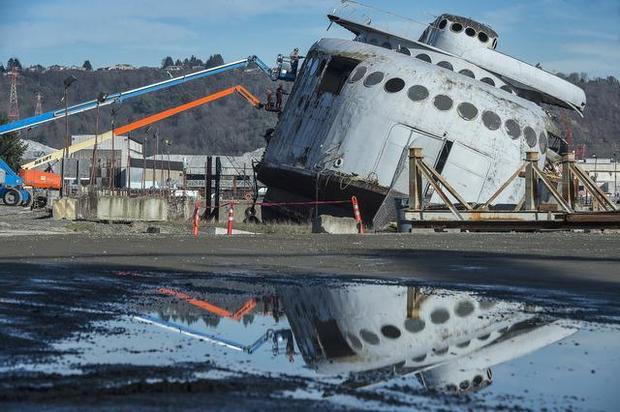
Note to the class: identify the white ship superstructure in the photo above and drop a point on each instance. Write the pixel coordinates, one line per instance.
(448, 340)
(358, 105)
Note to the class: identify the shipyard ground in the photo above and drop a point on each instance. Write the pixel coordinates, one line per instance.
(58, 280)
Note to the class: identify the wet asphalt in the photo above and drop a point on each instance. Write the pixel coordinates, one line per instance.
(59, 288)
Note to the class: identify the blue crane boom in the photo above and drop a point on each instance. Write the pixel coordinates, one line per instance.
(122, 96)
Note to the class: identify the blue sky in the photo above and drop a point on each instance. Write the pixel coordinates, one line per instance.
(563, 35)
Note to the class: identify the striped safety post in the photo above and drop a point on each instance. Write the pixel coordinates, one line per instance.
(231, 218)
(196, 219)
(357, 214)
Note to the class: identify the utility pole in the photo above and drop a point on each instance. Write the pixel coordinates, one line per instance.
(128, 168)
(93, 175)
(615, 176)
(65, 153)
(113, 171)
(13, 101)
(156, 153)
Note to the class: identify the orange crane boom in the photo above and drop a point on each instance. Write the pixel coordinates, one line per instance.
(58, 154)
(243, 92)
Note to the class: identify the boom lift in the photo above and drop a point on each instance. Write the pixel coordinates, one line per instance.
(278, 73)
(12, 190)
(122, 96)
(58, 154)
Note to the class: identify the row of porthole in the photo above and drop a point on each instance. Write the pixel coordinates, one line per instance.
(439, 316)
(392, 332)
(465, 72)
(466, 110)
(458, 27)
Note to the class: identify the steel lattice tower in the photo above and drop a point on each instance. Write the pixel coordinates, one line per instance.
(38, 107)
(13, 102)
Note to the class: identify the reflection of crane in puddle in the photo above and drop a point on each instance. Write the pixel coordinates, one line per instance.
(245, 309)
(280, 337)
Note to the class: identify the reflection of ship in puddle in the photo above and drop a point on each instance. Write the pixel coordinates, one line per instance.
(448, 339)
(371, 333)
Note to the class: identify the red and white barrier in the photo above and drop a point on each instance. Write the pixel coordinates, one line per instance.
(357, 214)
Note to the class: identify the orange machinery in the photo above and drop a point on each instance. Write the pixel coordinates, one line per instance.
(39, 179)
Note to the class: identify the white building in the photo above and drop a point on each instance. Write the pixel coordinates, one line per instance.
(605, 173)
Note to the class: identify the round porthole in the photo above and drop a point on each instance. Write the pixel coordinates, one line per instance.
(420, 358)
(443, 24)
(373, 79)
(464, 308)
(439, 316)
(456, 27)
(445, 65)
(354, 341)
(359, 74)
(441, 351)
(414, 325)
(369, 337)
(339, 162)
(467, 111)
(404, 50)
(390, 331)
(507, 89)
(470, 32)
(484, 337)
(483, 37)
(491, 120)
(530, 136)
(543, 142)
(468, 73)
(513, 129)
(424, 57)
(417, 93)
(443, 102)
(394, 85)
(488, 81)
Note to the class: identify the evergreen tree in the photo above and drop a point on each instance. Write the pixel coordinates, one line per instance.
(87, 66)
(13, 64)
(178, 63)
(2, 69)
(166, 62)
(12, 147)
(214, 60)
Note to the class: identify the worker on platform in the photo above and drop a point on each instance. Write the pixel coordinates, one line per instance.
(269, 105)
(294, 61)
(279, 93)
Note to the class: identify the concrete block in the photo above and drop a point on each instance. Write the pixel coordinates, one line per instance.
(65, 209)
(334, 225)
(126, 209)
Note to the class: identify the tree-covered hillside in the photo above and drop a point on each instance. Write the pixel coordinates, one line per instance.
(227, 126)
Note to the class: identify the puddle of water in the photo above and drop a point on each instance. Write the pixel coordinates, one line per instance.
(422, 346)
